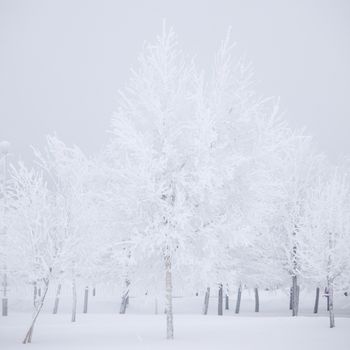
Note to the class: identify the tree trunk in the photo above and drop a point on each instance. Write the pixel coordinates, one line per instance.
(295, 296)
(35, 294)
(169, 298)
(326, 293)
(227, 302)
(330, 300)
(74, 304)
(257, 304)
(4, 299)
(94, 291)
(220, 301)
(57, 299)
(317, 298)
(125, 298)
(238, 302)
(86, 299)
(298, 298)
(28, 337)
(206, 301)
(291, 298)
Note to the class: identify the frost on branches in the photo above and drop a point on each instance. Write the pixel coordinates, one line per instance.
(201, 187)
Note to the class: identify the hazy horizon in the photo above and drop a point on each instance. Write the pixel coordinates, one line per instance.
(62, 62)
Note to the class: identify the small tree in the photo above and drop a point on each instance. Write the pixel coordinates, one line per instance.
(70, 174)
(34, 232)
(298, 171)
(325, 233)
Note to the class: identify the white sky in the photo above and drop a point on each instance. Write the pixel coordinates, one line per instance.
(62, 62)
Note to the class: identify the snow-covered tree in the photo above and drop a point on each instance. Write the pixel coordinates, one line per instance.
(70, 174)
(152, 146)
(298, 171)
(35, 234)
(325, 233)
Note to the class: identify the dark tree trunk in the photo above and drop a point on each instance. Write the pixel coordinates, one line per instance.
(291, 298)
(220, 301)
(206, 301)
(330, 304)
(227, 302)
(4, 307)
(317, 299)
(57, 299)
(4, 298)
(35, 294)
(125, 298)
(298, 298)
(86, 299)
(295, 295)
(327, 297)
(238, 302)
(257, 304)
(94, 291)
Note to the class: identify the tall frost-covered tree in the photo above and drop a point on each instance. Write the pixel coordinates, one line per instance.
(244, 144)
(325, 233)
(35, 234)
(68, 171)
(298, 171)
(153, 147)
(194, 163)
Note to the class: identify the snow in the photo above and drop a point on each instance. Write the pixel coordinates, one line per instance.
(103, 328)
(201, 183)
(130, 331)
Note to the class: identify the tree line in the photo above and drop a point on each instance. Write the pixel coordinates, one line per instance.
(201, 183)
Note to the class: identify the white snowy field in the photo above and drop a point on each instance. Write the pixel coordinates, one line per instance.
(106, 331)
(103, 328)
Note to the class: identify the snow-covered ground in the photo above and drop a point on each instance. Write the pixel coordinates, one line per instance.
(104, 328)
(103, 331)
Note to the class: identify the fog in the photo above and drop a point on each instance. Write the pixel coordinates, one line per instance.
(63, 62)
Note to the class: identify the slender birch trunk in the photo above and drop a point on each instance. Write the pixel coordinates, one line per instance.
(86, 299)
(238, 302)
(330, 282)
(326, 294)
(29, 334)
(298, 298)
(330, 303)
(4, 299)
(220, 300)
(317, 299)
(169, 299)
(295, 289)
(257, 303)
(74, 301)
(206, 301)
(57, 299)
(125, 298)
(35, 294)
(227, 302)
(295, 296)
